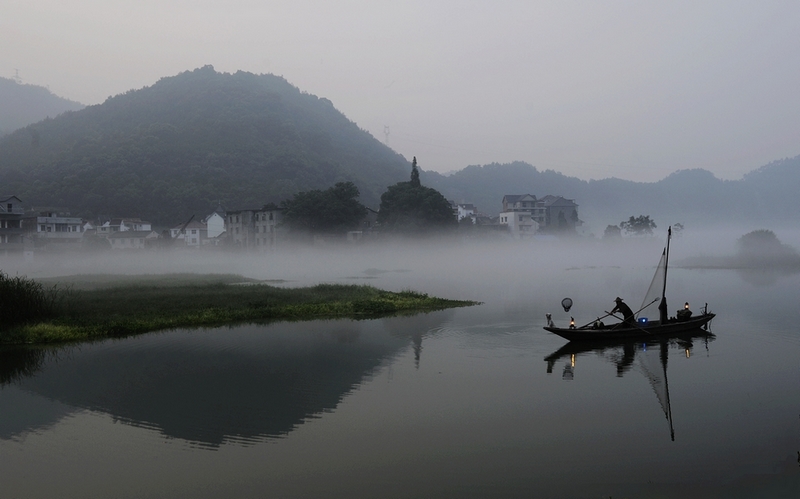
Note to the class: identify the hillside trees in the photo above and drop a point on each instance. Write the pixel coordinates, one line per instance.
(412, 208)
(190, 142)
(333, 210)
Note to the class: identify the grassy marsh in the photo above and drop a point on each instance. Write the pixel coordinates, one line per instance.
(95, 306)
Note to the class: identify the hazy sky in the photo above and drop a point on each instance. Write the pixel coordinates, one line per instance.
(593, 89)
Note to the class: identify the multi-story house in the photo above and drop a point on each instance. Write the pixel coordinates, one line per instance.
(519, 223)
(54, 227)
(240, 228)
(193, 234)
(254, 229)
(267, 220)
(558, 213)
(551, 213)
(520, 215)
(11, 231)
(519, 202)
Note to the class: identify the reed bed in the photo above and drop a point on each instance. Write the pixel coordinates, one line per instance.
(23, 300)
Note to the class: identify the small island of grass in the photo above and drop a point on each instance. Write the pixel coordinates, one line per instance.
(92, 307)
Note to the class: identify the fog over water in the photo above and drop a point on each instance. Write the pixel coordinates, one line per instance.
(456, 402)
(452, 268)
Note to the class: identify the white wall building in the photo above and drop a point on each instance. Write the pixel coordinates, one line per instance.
(193, 234)
(467, 210)
(519, 223)
(215, 225)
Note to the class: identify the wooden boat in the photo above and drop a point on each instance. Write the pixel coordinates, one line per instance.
(642, 328)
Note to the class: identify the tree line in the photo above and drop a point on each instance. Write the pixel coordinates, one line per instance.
(406, 207)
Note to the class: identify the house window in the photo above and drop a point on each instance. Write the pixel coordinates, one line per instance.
(270, 216)
(10, 207)
(520, 218)
(41, 228)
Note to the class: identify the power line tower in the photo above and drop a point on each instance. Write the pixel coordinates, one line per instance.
(16, 77)
(386, 133)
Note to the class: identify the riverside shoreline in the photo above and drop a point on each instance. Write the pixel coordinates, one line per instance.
(92, 307)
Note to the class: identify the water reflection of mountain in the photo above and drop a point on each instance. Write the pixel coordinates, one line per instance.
(209, 387)
(649, 356)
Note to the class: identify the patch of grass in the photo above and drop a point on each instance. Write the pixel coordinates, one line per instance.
(93, 307)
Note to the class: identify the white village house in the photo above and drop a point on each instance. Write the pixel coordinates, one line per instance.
(192, 234)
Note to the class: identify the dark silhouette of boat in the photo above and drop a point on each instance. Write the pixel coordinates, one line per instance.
(640, 327)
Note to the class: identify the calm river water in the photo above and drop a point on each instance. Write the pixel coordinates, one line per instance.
(457, 403)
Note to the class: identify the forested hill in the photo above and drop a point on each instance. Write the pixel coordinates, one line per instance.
(696, 198)
(191, 141)
(21, 105)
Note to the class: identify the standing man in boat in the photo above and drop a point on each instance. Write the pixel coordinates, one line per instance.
(625, 310)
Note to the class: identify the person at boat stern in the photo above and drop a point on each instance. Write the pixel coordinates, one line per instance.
(625, 310)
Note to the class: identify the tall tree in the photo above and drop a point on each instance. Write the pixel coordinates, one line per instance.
(638, 226)
(411, 207)
(415, 174)
(334, 210)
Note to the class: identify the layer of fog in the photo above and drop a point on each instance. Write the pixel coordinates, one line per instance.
(475, 270)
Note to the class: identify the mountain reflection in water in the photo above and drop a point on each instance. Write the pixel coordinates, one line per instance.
(208, 387)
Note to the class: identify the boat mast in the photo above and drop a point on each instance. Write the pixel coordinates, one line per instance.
(662, 307)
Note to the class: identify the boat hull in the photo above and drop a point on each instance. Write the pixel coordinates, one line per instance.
(649, 330)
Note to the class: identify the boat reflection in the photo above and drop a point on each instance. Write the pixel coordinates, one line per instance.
(650, 357)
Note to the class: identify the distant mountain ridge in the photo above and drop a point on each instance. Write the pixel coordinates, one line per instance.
(692, 197)
(23, 104)
(191, 141)
(201, 138)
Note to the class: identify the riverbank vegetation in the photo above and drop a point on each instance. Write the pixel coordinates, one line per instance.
(87, 307)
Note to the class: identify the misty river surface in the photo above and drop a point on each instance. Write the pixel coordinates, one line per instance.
(455, 403)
